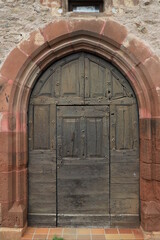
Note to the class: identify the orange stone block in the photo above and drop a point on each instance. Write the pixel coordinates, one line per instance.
(55, 31)
(15, 62)
(34, 44)
(114, 32)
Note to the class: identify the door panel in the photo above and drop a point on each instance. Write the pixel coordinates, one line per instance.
(71, 81)
(94, 137)
(71, 127)
(79, 175)
(97, 80)
(41, 139)
(124, 168)
(42, 165)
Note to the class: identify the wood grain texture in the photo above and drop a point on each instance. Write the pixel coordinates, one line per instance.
(83, 161)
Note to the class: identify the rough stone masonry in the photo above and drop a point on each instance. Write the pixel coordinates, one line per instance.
(18, 18)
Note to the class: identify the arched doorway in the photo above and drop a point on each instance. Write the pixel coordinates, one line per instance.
(58, 39)
(83, 146)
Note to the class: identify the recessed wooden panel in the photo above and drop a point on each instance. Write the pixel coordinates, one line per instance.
(97, 73)
(124, 132)
(97, 78)
(117, 88)
(47, 86)
(69, 78)
(71, 136)
(94, 137)
(41, 134)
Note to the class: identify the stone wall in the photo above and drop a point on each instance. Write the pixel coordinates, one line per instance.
(18, 18)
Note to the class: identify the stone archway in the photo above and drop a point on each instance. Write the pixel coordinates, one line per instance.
(83, 142)
(19, 73)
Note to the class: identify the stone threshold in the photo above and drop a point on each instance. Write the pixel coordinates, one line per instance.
(82, 234)
(31, 233)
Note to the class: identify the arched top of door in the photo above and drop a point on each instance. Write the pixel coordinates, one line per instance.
(82, 78)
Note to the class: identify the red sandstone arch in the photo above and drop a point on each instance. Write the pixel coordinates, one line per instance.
(20, 71)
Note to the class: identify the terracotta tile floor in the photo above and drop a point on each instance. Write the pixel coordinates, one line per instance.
(83, 234)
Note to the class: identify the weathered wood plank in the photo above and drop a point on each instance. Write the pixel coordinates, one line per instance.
(124, 191)
(123, 156)
(122, 206)
(42, 220)
(81, 220)
(125, 221)
(87, 171)
(129, 170)
(41, 127)
(83, 203)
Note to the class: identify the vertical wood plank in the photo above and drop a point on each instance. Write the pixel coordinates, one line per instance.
(53, 128)
(30, 126)
(41, 127)
(87, 77)
(81, 77)
(57, 83)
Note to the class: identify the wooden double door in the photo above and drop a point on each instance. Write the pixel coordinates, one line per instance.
(83, 165)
